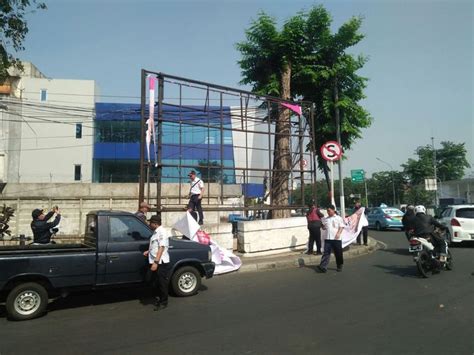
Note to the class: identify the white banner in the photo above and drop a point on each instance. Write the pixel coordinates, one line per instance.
(224, 259)
(353, 227)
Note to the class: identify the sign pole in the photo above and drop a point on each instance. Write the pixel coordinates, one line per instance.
(366, 194)
(333, 201)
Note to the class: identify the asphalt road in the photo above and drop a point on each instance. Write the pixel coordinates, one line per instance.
(378, 305)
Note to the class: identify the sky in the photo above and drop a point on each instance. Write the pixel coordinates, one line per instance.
(420, 67)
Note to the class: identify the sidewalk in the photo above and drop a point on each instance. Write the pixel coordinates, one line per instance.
(297, 258)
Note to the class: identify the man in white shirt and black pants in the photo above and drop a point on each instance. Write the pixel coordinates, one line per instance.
(159, 260)
(334, 225)
(195, 196)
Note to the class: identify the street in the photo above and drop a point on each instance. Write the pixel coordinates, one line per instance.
(377, 305)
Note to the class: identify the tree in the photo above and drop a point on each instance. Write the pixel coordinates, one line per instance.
(14, 29)
(268, 57)
(329, 79)
(450, 163)
(304, 60)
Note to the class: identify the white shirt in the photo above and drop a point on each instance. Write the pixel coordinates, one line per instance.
(332, 225)
(196, 186)
(157, 240)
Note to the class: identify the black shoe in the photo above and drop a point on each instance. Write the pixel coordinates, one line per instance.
(200, 223)
(160, 306)
(319, 253)
(339, 268)
(366, 244)
(309, 253)
(321, 269)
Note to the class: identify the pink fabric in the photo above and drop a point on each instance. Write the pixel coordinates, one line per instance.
(294, 108)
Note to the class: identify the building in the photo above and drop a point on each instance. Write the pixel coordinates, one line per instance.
(46, 128)
(117, 143)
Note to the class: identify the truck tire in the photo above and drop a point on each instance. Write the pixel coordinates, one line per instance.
(186, 281)
(26, 301)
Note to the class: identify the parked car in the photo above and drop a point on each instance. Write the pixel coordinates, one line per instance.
(385, 217)
(460, 222)
(110, 255)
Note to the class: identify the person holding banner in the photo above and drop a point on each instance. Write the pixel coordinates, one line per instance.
(365, 226)
(333, 224)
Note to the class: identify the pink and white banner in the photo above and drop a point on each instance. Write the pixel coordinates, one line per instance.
(224, 259)
(150, 131)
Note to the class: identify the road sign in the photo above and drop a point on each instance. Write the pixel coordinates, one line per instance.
(358, 175)
(331, 151)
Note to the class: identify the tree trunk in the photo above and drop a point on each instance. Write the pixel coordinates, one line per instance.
(281, 155)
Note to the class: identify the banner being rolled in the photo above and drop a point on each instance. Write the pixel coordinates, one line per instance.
(224, 259)
(353, 227)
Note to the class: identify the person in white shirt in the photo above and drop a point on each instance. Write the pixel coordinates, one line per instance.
(195, 196)
(334, 225)
(159, 260)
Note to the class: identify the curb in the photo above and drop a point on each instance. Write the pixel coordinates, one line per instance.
(301, 260)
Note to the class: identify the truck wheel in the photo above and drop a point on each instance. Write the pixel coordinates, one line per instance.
(26, 301)
(186, 281)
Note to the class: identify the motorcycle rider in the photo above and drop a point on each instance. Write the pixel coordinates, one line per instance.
(408, 221)
(424, 227)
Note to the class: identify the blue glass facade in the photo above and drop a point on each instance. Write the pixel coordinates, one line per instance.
(117, 143)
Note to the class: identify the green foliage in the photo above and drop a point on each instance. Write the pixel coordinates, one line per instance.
(14, 29)
(450, 163)
(319, 61)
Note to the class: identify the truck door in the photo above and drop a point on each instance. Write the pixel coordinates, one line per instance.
(128, 239)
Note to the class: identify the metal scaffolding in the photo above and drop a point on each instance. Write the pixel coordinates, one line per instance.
(229, 123)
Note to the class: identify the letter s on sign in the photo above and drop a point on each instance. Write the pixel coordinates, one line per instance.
(331, 149)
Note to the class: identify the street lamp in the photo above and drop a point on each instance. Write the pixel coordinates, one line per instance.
(393, 180)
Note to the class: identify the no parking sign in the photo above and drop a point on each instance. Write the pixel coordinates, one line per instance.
(331, 151)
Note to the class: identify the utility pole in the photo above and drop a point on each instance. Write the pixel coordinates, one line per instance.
(338, 136)
(393, 180)
(435, 172)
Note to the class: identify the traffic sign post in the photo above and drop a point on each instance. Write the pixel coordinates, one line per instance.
(331, 151)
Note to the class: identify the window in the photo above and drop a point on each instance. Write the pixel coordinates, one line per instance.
(446, 213)
(78, 130)
(128, 229)
(43, 94)
(77, 172)
(465, 213)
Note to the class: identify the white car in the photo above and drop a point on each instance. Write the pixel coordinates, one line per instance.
(460, 222)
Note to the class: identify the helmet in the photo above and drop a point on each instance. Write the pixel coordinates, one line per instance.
(410, 207)
(420, 209)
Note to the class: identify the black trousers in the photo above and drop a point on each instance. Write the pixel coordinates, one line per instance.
(195, 205)
(160, 279)
(314, 236)
(329, 246)
(365, 233)
(439, 243)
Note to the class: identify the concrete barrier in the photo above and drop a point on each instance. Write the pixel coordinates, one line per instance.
(263, 237)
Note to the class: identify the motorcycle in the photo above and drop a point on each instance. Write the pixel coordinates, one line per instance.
(427, 259)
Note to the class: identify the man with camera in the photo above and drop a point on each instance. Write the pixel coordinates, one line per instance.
(42, 229)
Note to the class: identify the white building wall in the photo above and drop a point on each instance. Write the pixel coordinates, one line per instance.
(49, 147)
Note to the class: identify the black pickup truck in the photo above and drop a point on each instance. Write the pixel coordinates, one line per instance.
(110, 255)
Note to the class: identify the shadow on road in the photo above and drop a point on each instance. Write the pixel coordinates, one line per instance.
(402, 271)
(397, 251)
